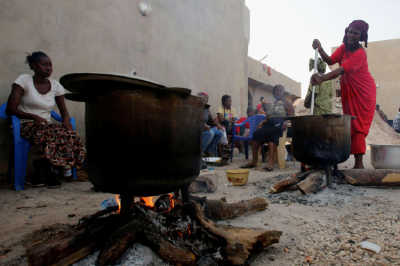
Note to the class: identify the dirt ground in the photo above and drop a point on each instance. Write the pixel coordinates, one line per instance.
(326, 226)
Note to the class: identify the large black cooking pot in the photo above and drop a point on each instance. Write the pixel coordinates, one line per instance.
(142, 138)
(321, 140)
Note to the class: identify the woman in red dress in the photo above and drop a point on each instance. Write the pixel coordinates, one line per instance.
(358, 88)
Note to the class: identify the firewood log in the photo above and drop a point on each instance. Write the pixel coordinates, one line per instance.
(375, 177)
(169, 251)
(73, 245)
(121, 240)
(237, 242)
(218, 210)
(292, 180)
(312, 183)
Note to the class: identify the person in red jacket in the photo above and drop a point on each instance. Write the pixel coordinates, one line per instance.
(245, 130)
(358, 88)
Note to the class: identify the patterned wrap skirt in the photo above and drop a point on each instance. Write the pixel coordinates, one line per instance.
(62, 146)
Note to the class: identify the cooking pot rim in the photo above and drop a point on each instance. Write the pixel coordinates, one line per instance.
(68, 81)
(304, 116)
(68, 78)
(386, 145)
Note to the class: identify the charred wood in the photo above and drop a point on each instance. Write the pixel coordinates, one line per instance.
(314, 182)
(292, 180)
(218, 210)
(237, 242)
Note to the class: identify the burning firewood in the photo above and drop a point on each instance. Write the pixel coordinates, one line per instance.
(121, 240)
(314, 182)
(164, 203)
(171, 251)
(179, 236)
(283, 184)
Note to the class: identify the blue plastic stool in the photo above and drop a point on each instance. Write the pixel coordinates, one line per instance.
(19, 151)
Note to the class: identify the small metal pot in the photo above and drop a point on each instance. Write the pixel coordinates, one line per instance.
(384, 156)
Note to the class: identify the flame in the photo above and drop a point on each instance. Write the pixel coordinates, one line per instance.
(188, 228)
(148, 202)
(305, 167)
(119, 203)
(179, 233)
(172, 204)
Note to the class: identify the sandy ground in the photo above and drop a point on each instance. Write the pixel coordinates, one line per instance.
(325, 226)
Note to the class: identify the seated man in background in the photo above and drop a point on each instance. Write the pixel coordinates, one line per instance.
(211, 136)
(381, 113)
(396, 122)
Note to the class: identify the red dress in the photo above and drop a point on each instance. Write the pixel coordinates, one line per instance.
(358, 91)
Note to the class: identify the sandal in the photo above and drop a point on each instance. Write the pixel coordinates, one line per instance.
(269, 168)
(226, 158)
(246, 166)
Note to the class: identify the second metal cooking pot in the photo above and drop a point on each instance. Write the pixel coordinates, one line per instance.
(321, 139)
(385, 156)
(142, 139)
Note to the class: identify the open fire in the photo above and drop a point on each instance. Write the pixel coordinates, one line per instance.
(119, 203)
(181, 234)
(164, 203)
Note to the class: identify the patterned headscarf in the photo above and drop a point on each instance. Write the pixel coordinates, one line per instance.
(320, 64)
(202, 94)
(360, 25)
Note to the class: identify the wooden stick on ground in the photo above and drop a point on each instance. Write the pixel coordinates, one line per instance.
(237, 242)
(312, 183)
(171, 252)
(218, 210)
(122, 240)
(292, 180)
(73, 245)
(375, 177)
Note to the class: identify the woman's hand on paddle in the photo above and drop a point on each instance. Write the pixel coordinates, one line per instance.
(206, 128)
(67, 124)
(39, 120)
(284, 125)
(218, 125)
(316, 79)
(316, 44)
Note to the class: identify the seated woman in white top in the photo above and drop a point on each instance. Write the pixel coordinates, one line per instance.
(32, 99)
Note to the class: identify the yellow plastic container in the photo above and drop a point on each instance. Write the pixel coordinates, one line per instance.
(238, 177)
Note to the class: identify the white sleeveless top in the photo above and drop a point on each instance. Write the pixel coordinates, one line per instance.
(33, 102)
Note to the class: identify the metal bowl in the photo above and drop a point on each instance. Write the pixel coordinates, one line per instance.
(385, 156)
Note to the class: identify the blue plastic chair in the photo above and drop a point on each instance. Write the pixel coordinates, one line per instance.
(19, 151)
(254, 121)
